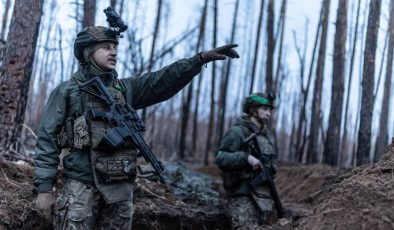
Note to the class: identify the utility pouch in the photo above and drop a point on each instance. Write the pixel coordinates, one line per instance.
(65, 138)
(81, 135)
(115, 168)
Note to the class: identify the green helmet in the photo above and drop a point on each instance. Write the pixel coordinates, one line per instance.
(91, 35)
(256, 100)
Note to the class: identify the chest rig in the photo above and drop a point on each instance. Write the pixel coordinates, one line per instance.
(114, 170)
(234, 179)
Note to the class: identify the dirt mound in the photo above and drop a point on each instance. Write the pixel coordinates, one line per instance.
(16, 198)
(188, 201)
(362, 199)
(314, 196)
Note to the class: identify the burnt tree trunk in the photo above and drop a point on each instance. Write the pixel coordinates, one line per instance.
(332, 142)
(153, 46)
(282, 19)
(224, 81)
(367, 100)
(382, 137)
(313, 145)
(302, 122)
(201, 38)
(211, 122)
(256, 49)
(350, 79)
(269, 82)
(5, 19)
(89, 12)
(186, 104)
(17, 68)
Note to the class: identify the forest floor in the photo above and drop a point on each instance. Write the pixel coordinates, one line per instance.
(313, 196)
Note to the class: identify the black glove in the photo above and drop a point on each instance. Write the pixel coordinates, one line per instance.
(219, 53)
(272, 170)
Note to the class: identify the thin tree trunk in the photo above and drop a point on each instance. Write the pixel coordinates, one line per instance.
(382, 137)
(17, 68)
(112, 4)
(195, 120)
(332, 142)
(354, 135)
(282, 30)
(89, 12)
(5, 20)
(211, 123)
(302, 124)
(187, 103)
(301, 57)
(269, 81)
(152, 50)
(350, 79)
(313, 145)
(257, 44)
(364, 132)
(224, 83)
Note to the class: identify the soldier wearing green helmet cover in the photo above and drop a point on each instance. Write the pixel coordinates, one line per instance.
(239, 163)
(99, 183)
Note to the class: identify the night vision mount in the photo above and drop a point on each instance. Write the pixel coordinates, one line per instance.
(115, 22)
(271, 96)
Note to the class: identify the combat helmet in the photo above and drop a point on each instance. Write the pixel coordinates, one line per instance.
(95, 34)
(258, 99)
(89, 36)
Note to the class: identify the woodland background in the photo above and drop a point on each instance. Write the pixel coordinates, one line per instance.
(332, 76)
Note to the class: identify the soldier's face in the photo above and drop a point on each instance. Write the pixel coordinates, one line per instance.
(262, 114)
(105, 56)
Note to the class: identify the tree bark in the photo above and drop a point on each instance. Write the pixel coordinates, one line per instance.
(152, 50)
(382, 137)
(5, 19)
(367, 100)
(17, 68)
(269, 81)
(350, 79)
(313, 145)
(201, 38)
(282, 35)
(186, 104)
(224, 82)
(257, 44)
(89, 13)
(211, 123)
(302, 123)
(332, 142)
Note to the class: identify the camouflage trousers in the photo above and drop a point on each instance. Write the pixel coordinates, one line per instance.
(251, 211)
(80, 206)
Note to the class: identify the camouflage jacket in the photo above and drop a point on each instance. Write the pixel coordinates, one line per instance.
(232, 155)
(64, 101)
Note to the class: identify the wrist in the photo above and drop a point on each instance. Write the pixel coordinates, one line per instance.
(201, 58)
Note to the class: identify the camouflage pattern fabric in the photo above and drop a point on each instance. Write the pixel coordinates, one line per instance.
(243, 212)
(78, 204)
(248, 209)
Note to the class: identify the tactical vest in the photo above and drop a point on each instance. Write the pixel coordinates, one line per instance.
(233, 180)
(113, 171)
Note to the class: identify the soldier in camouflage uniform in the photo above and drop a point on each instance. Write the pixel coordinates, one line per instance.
(98, 190)
(239, 163)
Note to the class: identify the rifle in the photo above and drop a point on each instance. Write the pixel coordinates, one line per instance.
(263, 176)
(126, 125)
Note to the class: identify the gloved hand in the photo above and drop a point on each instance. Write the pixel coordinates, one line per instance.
(219, 53)
(44, 203)
(254, 162)
(273, 171)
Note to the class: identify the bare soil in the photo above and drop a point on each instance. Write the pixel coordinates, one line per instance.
(313, 196)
